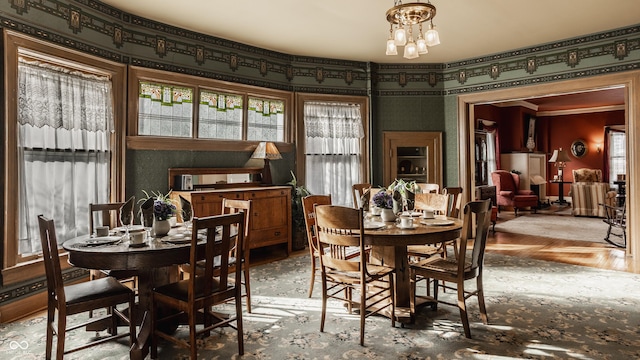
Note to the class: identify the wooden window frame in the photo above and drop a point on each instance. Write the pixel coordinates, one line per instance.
(147, 142)
(365, 146)
(14, 267)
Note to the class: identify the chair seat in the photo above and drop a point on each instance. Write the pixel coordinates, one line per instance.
(441, 266)
(424, 250)
(94, 290)
(375, 272)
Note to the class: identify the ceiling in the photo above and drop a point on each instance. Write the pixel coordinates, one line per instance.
(358, 30)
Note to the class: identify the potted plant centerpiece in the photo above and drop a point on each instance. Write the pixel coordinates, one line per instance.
(163, 210)
(384, 200)
(299, 233)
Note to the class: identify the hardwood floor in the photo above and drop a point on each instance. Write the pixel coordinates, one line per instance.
(602, 256)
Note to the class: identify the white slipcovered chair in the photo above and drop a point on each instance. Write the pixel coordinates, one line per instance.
(588, 192)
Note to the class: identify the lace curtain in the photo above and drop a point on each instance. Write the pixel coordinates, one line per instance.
(333, 160)
(65, 120)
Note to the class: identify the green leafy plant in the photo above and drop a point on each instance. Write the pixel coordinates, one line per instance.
(163, 206)
(297, 193)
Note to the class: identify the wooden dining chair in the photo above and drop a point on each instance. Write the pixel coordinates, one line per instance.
(429, 187)
(83, 297)
(455, 200)
(456, 270)
(230, 206)
(339, 228)
(217, 284)
(358, 190)
(106, 214)
(439, 204)
(308, 203)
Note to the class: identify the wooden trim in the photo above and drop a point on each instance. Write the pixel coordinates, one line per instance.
(13, 42)
(630, 80)
(206, 171)
(29, 270)
(187, 144)
(137, 74)
(298, 132)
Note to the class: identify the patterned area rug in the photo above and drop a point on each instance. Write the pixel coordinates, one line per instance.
(537, 310)
(557, 227)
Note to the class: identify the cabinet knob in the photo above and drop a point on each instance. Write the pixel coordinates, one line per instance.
(277, 233)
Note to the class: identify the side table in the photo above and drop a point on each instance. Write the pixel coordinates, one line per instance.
(561, 200)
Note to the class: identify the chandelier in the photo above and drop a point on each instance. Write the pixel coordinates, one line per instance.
(402, 18)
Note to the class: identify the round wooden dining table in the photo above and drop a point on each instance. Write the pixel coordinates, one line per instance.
(154, 263)
(389, 247)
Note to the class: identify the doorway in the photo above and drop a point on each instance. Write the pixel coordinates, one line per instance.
(631, 83)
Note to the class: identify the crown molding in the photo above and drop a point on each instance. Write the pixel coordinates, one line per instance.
(581, 111)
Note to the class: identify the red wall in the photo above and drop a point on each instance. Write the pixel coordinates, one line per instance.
(553, 132)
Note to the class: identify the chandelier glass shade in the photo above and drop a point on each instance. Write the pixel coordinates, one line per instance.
(402, 19)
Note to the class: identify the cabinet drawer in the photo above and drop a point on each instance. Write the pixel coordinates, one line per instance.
(259, 194)
(260, 238)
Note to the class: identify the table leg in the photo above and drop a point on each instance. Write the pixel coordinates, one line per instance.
(147, 280)
(396, 256)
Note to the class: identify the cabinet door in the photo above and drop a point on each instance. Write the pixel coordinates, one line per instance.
(413, 156)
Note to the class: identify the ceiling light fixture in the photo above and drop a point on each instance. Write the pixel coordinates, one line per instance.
(402, 18)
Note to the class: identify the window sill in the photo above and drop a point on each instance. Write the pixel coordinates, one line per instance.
(29, 270)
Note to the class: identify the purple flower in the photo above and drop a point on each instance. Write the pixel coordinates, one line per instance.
(383, 200)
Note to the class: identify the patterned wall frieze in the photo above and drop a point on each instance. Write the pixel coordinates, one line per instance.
(99, 29)
(542, 63)
(545, 79)
(16, 292)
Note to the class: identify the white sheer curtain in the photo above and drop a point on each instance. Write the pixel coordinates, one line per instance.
(333, 159)
(65, 119)
(491, 155)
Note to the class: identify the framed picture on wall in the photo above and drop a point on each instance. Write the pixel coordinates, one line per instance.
(579, 148)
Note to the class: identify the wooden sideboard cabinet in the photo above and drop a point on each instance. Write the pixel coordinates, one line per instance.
(270, 214)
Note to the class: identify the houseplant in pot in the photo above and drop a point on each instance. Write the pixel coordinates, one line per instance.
(163, 210)
(298, 234)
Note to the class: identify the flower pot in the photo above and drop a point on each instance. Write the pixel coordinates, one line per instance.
(161, 227)
(387, 215)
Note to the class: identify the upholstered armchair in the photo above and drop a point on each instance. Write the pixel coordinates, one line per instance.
(508, 192)
(588, 192)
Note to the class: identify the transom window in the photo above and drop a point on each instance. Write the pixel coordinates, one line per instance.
(224, 111)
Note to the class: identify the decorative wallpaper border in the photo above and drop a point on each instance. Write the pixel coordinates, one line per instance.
(96, 28)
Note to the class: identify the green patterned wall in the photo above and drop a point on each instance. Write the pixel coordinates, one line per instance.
(418, 97)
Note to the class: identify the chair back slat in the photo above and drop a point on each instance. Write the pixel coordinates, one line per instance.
(338, 228)
(106, 214)
(358, 190)
(49, 241)
(455, 200)
(308, 203)
(476, 222)
(228, 227)
(439, 203)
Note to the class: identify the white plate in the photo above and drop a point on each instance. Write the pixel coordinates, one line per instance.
(440, 222)
(371, 225)
(103, 240)
(132, 228)
(177, 239)
(407, 227)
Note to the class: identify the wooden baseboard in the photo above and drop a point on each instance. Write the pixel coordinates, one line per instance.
(24, 307)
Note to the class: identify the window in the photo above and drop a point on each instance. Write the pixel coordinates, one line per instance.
(220, 116)
(164, 110)
(65, 119)
(61, 137)
(224, 111)
(333, 137)
(617, 154)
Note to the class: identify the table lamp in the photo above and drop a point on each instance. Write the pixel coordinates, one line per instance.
(266, 151)
(560, 158)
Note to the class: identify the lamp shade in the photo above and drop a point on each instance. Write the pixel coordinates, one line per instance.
(266, 150)
(558, 156)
